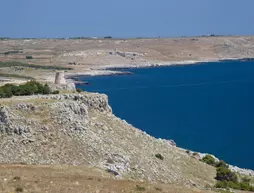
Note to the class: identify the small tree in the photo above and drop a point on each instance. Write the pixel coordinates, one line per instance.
(29, 57)
(46, 89)
(221, 163)
(159, 156)
(225, 174)
(78, 90)
(209, 160)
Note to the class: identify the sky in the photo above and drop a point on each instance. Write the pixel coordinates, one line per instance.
(125, 19)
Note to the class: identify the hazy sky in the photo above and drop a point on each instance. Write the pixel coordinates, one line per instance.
(122, 18)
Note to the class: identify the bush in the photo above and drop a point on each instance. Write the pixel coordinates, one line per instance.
(228, 179)
(159, 156)
(225, 174)
(30, 88)
(195, 154)
(56, 92)
(209, 160)
(221, 164)
(29, 57)
(12, 63)
(221, 184)
(46, 89)
(234, 185)
(78, 90)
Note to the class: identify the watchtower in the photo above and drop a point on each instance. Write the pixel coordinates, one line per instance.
(59, 79)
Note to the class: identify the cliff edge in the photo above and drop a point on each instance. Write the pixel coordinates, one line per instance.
(80, 129)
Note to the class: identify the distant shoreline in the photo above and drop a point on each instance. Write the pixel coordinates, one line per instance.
(243, 171)
(116, 70)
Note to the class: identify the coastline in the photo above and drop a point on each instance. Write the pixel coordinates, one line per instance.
(115, 70)
(112, 70)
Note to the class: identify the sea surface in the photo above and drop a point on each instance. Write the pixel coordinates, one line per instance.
(207, 107)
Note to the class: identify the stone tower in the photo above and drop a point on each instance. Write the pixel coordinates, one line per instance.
(59, 79)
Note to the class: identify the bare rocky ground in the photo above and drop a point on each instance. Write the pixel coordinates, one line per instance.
(80, 129)
(44, 134)
(70, 179)
(87, 56)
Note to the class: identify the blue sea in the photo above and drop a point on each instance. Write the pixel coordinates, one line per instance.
(207, 107)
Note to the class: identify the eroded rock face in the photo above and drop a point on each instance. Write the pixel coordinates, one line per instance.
(117, 164)
(69, 113)
(8, 124)
(81, 129)
(3, 115)
(4, 120)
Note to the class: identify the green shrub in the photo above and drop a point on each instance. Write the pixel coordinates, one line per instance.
(221, 184)
(221, 164)
(30, 88)
(56, 92)
(29, 57)
(234, 185)
(209, 160)
(225, 174)
(195, 154)
(16, 76)
(159, 156)
(228, 179)
(78, 90)
(46, 89)
(14, 63)
(245, 179)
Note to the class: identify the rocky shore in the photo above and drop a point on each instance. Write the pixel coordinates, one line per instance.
(78, 129)
(116, 69)
(81, 129)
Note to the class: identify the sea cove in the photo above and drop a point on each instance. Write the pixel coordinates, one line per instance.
(207, 107)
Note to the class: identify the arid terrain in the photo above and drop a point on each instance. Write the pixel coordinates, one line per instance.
(87, 56)
(72, 142)
(79, 179)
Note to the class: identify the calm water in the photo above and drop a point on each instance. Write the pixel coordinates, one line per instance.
(206, 108)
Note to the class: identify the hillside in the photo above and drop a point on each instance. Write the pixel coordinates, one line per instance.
(89, 55)
(80, 129)
(79, 179)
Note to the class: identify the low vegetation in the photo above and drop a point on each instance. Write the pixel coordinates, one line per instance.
(140, 188)
(30, 88)
(13, 52)
(19, 189)
(16, 76)
(225, 177)
(29, 57)
(209, 160)
(12, 64)
(78, 90)
(159, 156)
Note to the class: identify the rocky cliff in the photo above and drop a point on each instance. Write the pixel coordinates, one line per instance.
(80, 129)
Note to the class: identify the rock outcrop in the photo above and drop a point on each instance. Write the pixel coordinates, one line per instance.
(81, 129)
